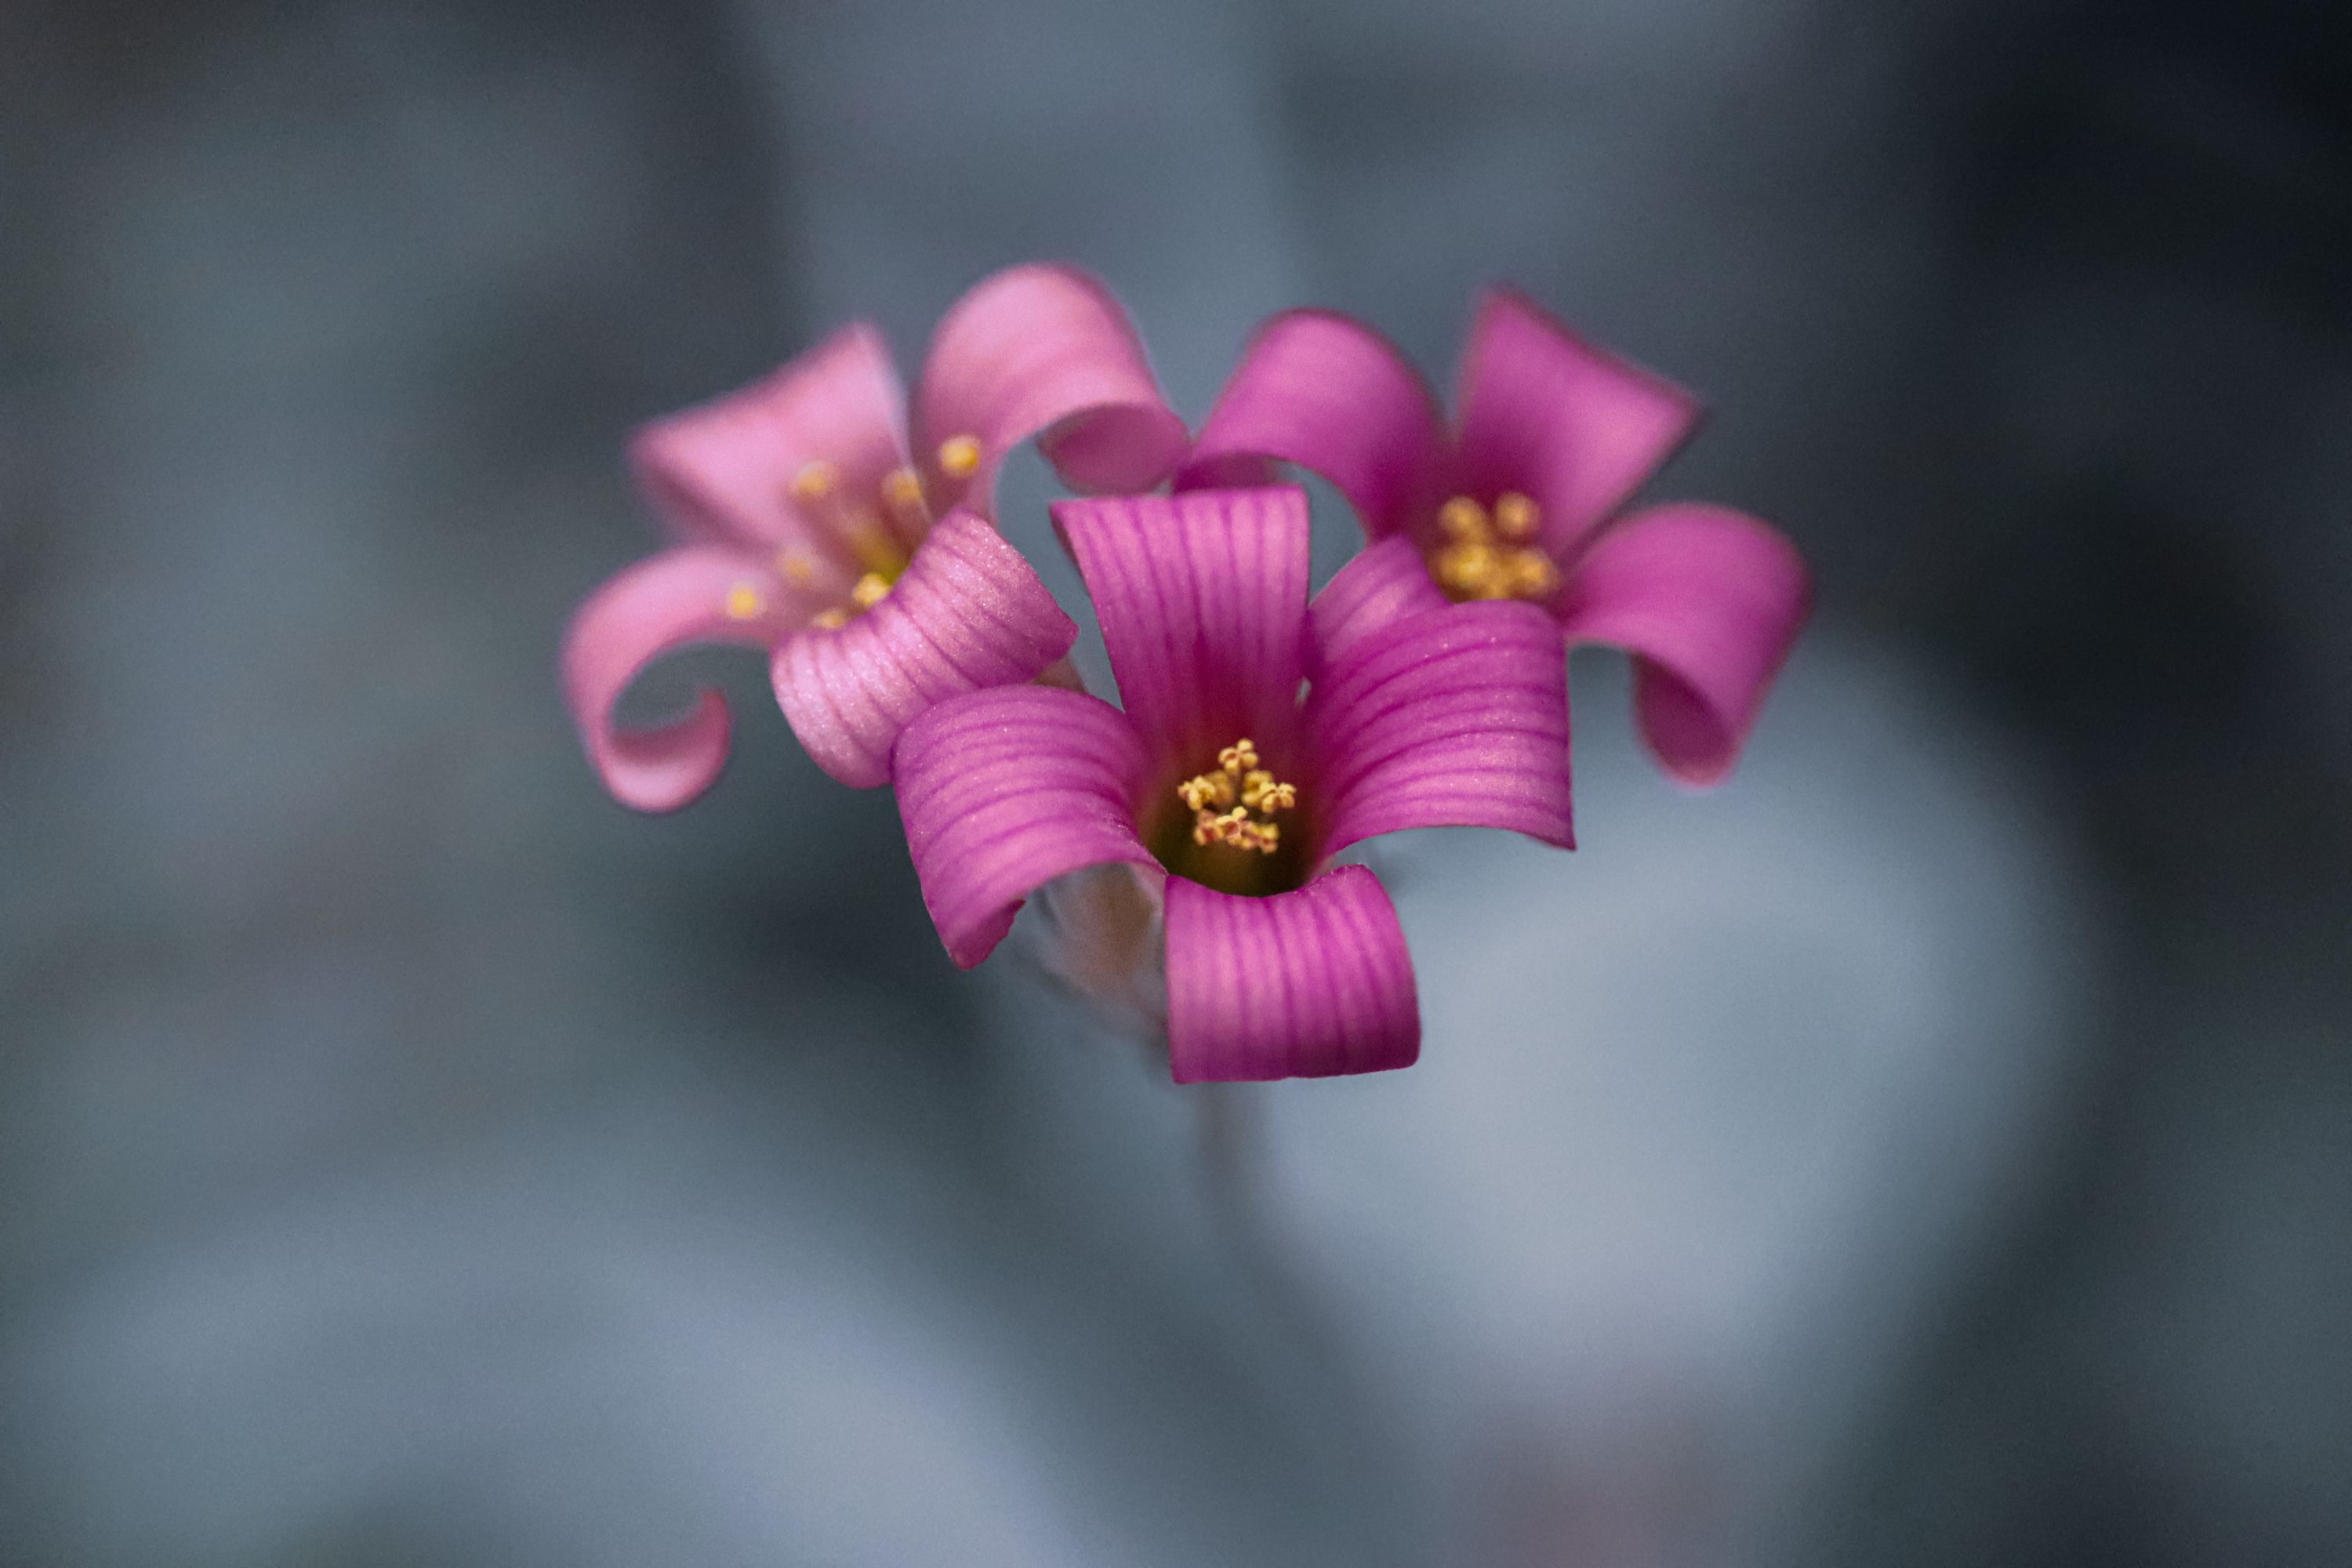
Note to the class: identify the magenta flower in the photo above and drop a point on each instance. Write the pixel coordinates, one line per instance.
(810, 526)
(1520, 501)
(1228, 793)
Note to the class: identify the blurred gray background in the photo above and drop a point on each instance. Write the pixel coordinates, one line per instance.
(1936, 1147)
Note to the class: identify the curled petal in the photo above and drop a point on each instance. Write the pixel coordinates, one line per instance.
(694, 594)
(1301, 984)
(724, 470)
(1548, 414)
(1709, 601)
(1327, 393)
(1001, 791)
(1457, 718)
(1386, 583)
(968, 612)
(1203, 601)
(1045, 350)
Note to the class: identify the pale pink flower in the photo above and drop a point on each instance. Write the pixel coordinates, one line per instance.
(1519, 497)
(812, 524)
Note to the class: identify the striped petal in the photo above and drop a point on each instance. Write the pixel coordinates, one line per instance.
(1004, 790)
(1045, 350)
(968, 612)
(696, 594)
(1203, 601)
(1386, 583)
(1709, 601)
(1301, 984)
(1546, 412)
(724, 470)
(1327, 393)
(1457, 718)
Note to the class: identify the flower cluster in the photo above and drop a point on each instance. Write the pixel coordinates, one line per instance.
(1260, 731)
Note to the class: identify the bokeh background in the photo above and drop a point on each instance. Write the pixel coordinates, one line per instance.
(1935, 1147)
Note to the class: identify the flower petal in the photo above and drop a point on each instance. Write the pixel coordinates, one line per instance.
(1045, 350)
(1203, 602)
(1004, 790)
(1330, 393)
(724, 470)
(1386, 583)
(968, 612)
(1570, 424)
(1709, 600)
(694, 594)
(1457, 718)
(1301, 984)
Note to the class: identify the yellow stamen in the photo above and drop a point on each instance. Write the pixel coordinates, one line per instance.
(795, 568)
(960, 457)
(831, 620)
(1463, 518)
(743, 601)
(903, 487)
(877, 548)
(1515, 517)
(1212, 797)
(869, 591)
(815, 481)
(1495, 557)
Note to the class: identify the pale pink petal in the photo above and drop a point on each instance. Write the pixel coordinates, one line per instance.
(1546, 412)
(1004, 790)
(1330, 393)
(1709, 600)
(725, 469)
(968, 612)
(1203, 602)
(1455, 718)
(1045, 350)
(1301, 984)
(692, 594)
(1386, 583)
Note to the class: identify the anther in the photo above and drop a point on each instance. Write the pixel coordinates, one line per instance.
(1463, 518)
(903, 488)
(869, 590)
(960, 457)
(815, 481)
(743, 601)
(1515, 517)
(794, 568)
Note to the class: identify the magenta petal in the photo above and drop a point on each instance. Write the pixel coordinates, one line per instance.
(1045, 350)
(1386, 583)
(1457, 718)
(1710, 601)
(1301, 984)
(1203, 601)
(1327, 393)
(1002, 791)
(662, 604)
(724, 470)
(1546, 412)
(968, 612)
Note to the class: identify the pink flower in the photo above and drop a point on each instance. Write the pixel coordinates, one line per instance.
(868, 568)
(1227, 793)
(1519, 499)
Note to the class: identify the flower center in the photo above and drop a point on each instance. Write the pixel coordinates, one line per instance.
(1492, 555)
(1235, 827)
(880, 532)
(1236, 805)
